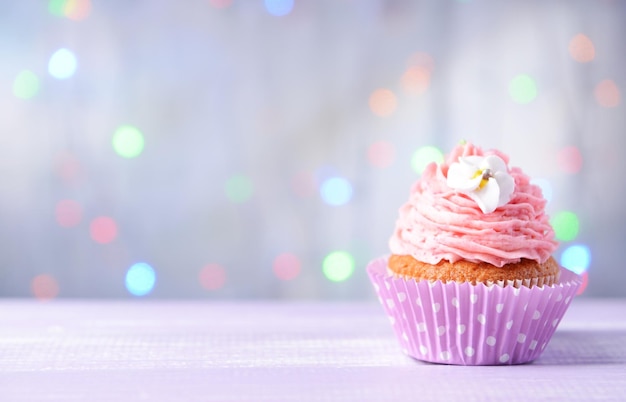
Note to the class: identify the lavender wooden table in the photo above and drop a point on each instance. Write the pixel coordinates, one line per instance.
(207, 351)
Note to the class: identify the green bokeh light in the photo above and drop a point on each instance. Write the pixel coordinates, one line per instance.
(565, 225)
(523, 89)
(338, 266)
(57, 7)
(128, 141)
(26, 85)
(424, 156)
(239, 189)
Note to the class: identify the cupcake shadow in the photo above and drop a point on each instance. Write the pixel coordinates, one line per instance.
(585, 347)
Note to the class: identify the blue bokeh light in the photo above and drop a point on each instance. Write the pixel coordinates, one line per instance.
(62, 64)
(336, 191)
(279, 8)
(576, 258)
(140, 279)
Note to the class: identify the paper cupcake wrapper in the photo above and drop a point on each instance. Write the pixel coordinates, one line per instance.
(465, 324)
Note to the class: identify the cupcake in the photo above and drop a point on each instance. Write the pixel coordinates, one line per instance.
(471, 279)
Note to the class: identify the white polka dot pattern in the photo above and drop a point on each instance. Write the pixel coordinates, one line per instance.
(460, 323)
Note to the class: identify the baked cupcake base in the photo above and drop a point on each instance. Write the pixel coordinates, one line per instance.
(465, 324)
(546, 273)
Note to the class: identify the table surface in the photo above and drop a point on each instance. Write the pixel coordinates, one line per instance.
(78, 350)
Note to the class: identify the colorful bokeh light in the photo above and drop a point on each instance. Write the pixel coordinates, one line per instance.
(26, 85)
(416, 77)
(62, 64)
(570, 159)
(338, 266)
(383, 102)
(566, 225)
(78, 9)
(140, 279)
(607, 94)
(73, 9)
(523, 89)
(576, 258)
(68, 213)
(286, 266)
(381, 154)
(128, 142)
(278, 8)
(239, 189)
(103, 229)
(44, 287)
(56, 7)
(425, 156)
(415, 80)
(336, 191)
(581, 49)
(212, 276)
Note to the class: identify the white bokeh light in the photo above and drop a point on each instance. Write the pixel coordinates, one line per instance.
(62, 64)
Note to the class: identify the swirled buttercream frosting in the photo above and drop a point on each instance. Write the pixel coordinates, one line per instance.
(474, 207)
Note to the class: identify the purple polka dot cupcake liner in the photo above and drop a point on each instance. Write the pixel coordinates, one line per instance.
(465, 324)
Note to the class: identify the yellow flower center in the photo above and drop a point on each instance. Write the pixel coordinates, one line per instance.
(486, 175)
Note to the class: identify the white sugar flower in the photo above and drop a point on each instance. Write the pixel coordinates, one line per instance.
(486, 180)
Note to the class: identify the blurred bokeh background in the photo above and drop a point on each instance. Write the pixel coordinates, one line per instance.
(261, 149)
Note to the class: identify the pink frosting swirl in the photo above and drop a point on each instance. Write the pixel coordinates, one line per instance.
(438, 223)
